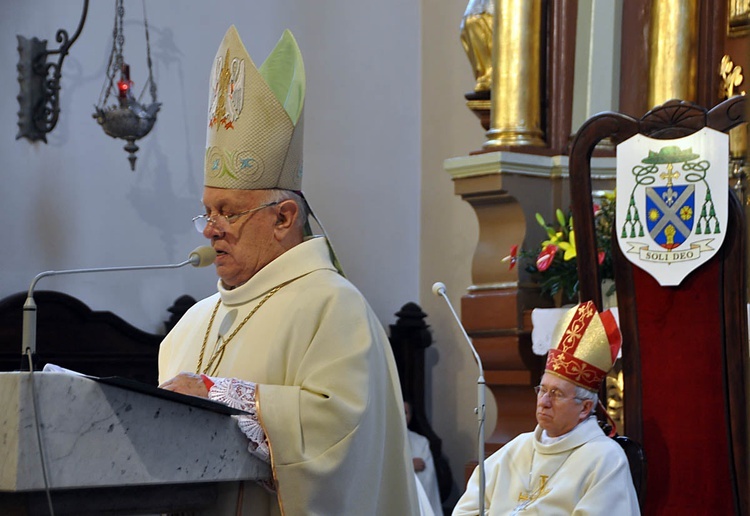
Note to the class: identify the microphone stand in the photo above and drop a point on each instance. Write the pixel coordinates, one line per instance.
(199, 257)
(439, 290)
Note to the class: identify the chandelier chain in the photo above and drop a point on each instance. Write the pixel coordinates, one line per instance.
(152, 84)
(115, 62)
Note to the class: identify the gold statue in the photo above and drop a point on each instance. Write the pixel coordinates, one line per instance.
(476, 38)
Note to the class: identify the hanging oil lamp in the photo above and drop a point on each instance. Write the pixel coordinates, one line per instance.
(128, 118)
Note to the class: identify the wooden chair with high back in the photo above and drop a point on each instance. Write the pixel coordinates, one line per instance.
(685, 348)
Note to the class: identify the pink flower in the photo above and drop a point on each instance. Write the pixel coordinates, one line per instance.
(546, 257)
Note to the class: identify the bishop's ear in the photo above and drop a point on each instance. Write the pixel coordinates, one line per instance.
(286, 214)
(586, 407)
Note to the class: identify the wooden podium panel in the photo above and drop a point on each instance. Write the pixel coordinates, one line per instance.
(110, 448)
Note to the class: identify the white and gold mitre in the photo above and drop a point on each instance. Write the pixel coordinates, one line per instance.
(254, 138)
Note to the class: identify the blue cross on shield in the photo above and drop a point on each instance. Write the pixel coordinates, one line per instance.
(670, 214)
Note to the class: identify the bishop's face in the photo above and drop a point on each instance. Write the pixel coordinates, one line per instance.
(244, 244)
(557, 409)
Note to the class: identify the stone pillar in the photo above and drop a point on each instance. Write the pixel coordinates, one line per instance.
(493, 309)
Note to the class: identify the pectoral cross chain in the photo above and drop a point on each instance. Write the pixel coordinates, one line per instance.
(526, 499)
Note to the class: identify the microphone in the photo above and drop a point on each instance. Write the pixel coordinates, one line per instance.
(202, 256)
(198, 257)
(438, 289)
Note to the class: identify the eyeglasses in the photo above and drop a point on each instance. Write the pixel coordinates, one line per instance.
(555, 395)
(220, 221)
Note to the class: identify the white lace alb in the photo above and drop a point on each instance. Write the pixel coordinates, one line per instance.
(240, 394)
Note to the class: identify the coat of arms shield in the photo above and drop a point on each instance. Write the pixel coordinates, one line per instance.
(672, 200)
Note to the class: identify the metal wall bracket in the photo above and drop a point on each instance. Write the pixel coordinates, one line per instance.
(39, 98)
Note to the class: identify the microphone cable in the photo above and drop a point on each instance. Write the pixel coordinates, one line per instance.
(199, 257)
(39, 433)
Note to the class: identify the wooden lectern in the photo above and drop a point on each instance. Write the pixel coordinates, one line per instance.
(115, 446)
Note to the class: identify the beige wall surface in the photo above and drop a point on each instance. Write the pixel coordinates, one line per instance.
(449, 229)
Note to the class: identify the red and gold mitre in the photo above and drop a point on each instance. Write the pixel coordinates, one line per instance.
(587, 344)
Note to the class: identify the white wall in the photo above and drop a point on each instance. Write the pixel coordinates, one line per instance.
(75, 203)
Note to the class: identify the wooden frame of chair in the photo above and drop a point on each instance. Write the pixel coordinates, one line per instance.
(674, 119)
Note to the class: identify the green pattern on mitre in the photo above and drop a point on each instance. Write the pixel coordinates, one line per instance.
(284, 72)
(670, 154)
(254, 133)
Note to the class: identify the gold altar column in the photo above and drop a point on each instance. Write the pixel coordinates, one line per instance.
(673, 59)
(515, 118)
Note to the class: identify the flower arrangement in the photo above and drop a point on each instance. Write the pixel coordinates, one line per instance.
(555, 264)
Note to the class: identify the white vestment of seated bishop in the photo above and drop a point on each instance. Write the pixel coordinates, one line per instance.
(581, 473)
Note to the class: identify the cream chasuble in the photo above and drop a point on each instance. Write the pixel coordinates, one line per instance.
(328, 395)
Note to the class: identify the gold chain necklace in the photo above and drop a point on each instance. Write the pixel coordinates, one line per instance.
(219, 353)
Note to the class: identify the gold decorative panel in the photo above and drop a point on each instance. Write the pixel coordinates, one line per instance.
(739, 17)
